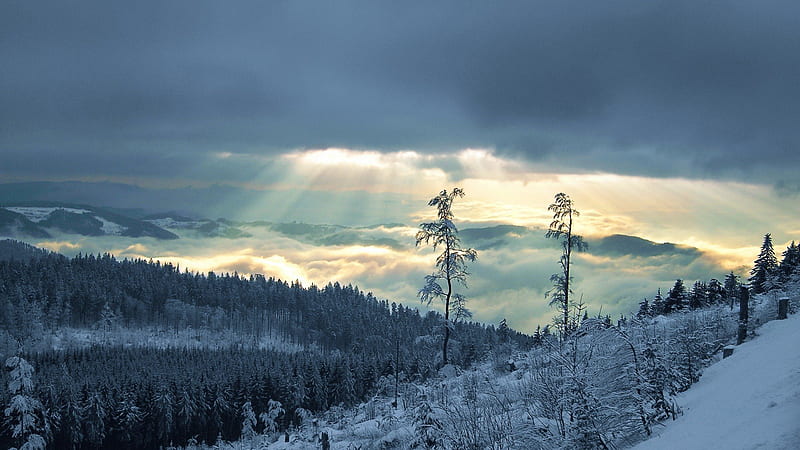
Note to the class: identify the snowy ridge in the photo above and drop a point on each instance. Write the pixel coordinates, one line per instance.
(750, 400)
(169, 222)
(111, 228)
(42, 220)
(37, 214)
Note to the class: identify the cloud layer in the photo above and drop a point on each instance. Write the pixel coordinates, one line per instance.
(152, 89)
(508, 280)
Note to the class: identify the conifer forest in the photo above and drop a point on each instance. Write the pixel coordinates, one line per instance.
(253, 356)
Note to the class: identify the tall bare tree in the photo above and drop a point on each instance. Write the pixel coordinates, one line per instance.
(451, 264)
(561, 229)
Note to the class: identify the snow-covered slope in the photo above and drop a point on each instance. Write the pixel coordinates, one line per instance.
(38, 214)
(750, 400)
(39, 220)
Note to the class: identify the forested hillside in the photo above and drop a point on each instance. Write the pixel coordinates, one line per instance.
(144, 397)
(599, 384)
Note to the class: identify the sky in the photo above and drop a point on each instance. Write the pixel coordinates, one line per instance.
(674, 121)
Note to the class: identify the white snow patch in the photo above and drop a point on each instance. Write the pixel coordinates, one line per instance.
(111, 228)
(750, 400)
(169, 222)
(38, 214)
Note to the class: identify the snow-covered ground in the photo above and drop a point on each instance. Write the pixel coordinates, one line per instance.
(111, 228)
(152, 337)
(37, 214)
(169, 222)
(750, 400)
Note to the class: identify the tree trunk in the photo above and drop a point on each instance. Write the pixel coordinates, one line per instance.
(783, 308)
(744, 297)
(447, 308)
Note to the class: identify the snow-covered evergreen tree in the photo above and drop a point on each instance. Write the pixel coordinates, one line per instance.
(698, 296)
(108, 319)
(25, 414)
(731, 288)
(676, 300)
(270, 416)
(163, 406)
(660, 383)
(248, 421)
(644, 309)
(659, 304)
(790, 263)
(94, 416)
(128, 417)
(503, 332)
(427, 426)
(715, 292)
(764, 267)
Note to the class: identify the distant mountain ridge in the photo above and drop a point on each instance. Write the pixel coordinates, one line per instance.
(621, 245)
(39, 219)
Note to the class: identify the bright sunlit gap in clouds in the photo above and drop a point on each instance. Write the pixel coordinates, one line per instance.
(713, 215)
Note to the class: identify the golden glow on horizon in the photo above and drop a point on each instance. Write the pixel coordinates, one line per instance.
(58, 246)
(725, 220)
(501, 190)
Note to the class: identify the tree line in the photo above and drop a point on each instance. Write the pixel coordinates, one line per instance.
(140, 397)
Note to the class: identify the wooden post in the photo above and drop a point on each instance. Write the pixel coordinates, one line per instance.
(744, 298)
(783, 307)
(727, 351)
(326, 443)
(396, 369)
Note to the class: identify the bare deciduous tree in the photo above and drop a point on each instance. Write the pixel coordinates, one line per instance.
(451, 264)
(561, 229)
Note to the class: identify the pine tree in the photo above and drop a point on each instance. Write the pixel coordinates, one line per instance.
(660, 386)
(220, 408)
(676, 300)
(270, 416)
(537, 336)
(765, 267)
(698, 296)
(715, 292)
(659, 305)
(248, 421)
(451, 264)
(25, 413)
(128, 417)
(188, 408)
(503, 332)
(163, 414)
(644, 309)
(790, 263)
(108, 319)
(427, 426)
(731, 288)
(95, 412)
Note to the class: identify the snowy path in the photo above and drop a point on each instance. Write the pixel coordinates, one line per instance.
(750, 400)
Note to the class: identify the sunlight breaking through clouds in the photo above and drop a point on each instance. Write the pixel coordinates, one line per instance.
(366, 190)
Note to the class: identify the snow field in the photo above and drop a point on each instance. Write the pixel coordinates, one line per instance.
(750, 400)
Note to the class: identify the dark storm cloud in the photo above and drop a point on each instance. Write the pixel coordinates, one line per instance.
(660, 88)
